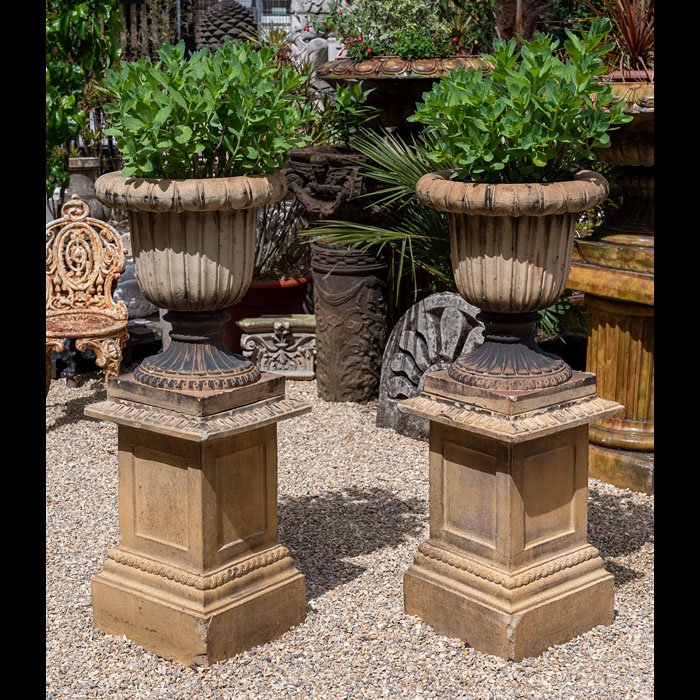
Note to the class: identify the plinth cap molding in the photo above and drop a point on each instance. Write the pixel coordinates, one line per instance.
(585, 190)
(198, 194)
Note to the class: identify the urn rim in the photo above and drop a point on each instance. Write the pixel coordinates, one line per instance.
(192, 194)
(584, 190)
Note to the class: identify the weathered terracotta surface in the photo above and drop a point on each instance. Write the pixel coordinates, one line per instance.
(198, 575)
(507, 567)
(621, 348)
(84, 260)
(511, 250)
(193, 243)
(615, 268)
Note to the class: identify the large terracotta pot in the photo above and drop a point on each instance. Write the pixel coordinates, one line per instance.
(275, 297)
(632, 151)
(193, 243)
(511, 251)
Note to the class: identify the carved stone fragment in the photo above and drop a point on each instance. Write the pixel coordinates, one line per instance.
(428, 337)
(284, 345)
(350, 306)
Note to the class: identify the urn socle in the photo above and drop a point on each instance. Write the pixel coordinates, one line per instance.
(193, 244)
(511, 249)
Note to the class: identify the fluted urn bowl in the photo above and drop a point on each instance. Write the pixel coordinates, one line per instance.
(193, 244)
(511, 250)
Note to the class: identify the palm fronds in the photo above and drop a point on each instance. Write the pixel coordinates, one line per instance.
(420, 238)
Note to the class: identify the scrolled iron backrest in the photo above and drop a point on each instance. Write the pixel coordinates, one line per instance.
(84, 260)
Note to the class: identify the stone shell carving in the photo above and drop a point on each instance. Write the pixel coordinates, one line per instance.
(427, 338)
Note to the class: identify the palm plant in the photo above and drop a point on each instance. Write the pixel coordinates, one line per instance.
(418, 238)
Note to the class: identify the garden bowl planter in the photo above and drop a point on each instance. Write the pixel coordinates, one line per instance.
(511, 251)
(193, 244)
(397, 83)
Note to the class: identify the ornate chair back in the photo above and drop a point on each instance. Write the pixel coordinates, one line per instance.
(84, 259)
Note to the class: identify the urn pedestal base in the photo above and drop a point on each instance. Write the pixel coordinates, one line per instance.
(508, 568)
(198, 575)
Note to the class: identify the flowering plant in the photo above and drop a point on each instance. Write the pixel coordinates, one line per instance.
(412, 29)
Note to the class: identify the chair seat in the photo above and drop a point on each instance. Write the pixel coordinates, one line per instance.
(83, 324)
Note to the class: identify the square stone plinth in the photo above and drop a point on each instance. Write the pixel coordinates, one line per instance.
(198, 575)
(507, 567)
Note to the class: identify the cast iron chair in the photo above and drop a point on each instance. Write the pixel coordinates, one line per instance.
(84, 259)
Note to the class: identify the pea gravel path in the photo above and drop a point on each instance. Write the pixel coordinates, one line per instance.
(353, 507)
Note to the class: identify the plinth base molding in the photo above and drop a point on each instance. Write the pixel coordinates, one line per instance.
(197, 620)
(513, 616)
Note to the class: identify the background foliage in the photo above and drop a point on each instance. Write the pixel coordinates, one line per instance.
(82, 42)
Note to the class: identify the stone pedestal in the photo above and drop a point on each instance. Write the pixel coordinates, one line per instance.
(508, 568)
(198, 575)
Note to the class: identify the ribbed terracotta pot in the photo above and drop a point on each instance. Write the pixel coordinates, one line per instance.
(193, 244)
(511, 251)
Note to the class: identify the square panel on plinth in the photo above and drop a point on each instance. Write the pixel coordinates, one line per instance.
(198, 574)
(507, 567)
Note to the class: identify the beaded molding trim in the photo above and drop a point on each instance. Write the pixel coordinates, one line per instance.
(197, 428)
(524, 426)
(509, 582)
(201, 583)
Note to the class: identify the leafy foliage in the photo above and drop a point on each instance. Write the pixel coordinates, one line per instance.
(229, 113)
(419, 238)
(632, 30)
(82, 41)
(406, 28)
(534, 118)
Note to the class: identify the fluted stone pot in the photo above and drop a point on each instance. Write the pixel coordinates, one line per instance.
(511, 250)
(193, 243)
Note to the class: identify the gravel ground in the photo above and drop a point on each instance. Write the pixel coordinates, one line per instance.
(353, 507)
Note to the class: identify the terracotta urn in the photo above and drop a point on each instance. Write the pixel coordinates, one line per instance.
(511, 251)
(632, 152)
(193, 243)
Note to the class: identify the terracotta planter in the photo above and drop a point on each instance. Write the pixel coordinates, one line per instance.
(632, 150)
(398, 84)
(511, 251)
(193, 244)
(278, 297)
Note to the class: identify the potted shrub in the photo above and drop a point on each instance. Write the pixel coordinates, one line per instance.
(203, 141)
(517, 138)
(397, 48)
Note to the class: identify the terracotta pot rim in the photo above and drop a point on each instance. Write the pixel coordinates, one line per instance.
(191, 194)
(271, 284)
(584, 190)
(406, 68)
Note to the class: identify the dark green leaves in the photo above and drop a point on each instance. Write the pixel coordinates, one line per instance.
(210, 115)
(532, 119)
(78, 51)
